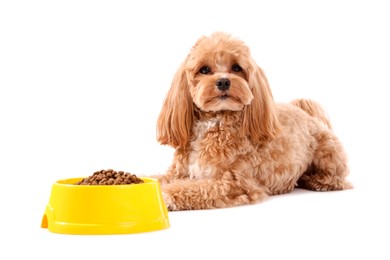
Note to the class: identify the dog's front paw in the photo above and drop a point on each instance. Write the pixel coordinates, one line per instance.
(169, 202)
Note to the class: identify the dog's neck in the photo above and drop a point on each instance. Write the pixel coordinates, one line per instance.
(225, 117)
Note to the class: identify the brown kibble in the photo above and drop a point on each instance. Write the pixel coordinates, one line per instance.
(110, 177)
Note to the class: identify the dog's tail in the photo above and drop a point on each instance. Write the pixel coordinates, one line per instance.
(314, 109)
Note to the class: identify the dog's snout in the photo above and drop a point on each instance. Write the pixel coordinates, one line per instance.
(223, 84)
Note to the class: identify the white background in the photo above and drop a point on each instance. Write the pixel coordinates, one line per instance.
(81, 86)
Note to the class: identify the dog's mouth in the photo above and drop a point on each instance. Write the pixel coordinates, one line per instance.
(226, 96)
(222, 101)
(223, 96)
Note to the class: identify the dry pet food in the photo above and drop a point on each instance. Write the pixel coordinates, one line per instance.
(110, 177)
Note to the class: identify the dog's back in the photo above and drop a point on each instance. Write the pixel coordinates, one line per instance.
(314, 109)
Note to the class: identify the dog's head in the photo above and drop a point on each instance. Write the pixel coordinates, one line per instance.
(218, 74)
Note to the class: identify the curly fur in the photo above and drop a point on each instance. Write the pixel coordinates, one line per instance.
(236, 146)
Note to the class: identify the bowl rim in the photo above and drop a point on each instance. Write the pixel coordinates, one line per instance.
(70, 182)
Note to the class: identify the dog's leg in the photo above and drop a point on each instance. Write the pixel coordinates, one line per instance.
(329, 168)
(175, 172)
(188, 194)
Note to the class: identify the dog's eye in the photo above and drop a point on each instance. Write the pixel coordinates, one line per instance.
(236, 68)
(205, 70)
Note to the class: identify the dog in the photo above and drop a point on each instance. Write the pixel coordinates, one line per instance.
(233, 144)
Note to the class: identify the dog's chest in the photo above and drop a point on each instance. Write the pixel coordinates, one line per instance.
(199, 166)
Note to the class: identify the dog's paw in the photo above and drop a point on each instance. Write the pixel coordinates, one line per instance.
(169, 202)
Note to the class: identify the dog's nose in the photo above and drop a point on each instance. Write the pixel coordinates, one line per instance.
(223, 84)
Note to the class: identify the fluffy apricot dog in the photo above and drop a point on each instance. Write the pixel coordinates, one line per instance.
(233, 144)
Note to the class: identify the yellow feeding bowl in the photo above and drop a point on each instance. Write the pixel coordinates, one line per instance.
(105, 209)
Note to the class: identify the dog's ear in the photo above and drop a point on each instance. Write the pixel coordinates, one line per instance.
(260, 121)
(175, 121)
